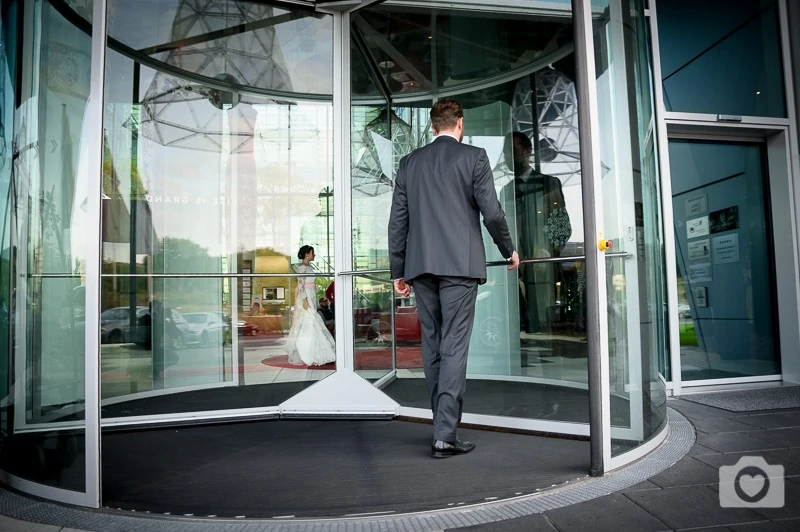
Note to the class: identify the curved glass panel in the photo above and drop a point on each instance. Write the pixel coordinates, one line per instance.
(380, 137)
(721, 57)
(197, 339)
(528, 347)
(373, 333)
(436, 51)
(251, 45)
(631, 207)
(44, 241)
(203, 179)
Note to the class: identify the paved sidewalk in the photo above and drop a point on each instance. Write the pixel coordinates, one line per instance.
(686, 496)
(683, 497)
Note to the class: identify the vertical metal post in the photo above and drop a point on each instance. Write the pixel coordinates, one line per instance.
(667, 214)
(94, 182)
(132, 283)
(597, 318)
(342, 205)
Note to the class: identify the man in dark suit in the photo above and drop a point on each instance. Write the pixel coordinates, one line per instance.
(435, 244)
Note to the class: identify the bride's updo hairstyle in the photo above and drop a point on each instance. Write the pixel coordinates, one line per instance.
(304, 250)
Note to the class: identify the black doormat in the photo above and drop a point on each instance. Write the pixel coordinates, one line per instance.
(522, 399)
(316, 468)
(217, 398)
(749, 400)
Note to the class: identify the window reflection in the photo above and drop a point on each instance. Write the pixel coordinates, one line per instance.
(417, 51)
(374, 337)
(257, 45)
(726, 301)
(530, 324)
(188, 186)
(721, 57)
(632, 220)
(193, 334)
(381, 136)
(210, 169)
(201, 175)
(44, 232)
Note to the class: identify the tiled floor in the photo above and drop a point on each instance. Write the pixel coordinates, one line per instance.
(686, 496)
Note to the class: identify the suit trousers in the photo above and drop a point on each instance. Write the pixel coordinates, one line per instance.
(446, 308)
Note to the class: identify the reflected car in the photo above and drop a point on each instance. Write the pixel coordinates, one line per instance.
(375, 327)
(210, 327)
(176, 330)
(684, 311)
(246, 328)
(115, 324)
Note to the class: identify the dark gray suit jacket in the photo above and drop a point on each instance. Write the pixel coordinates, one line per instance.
(434, 228)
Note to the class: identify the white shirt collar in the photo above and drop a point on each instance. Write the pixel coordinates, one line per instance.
(446, 135)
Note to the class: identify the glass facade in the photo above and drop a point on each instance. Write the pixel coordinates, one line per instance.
(721, 57)
(232, 215)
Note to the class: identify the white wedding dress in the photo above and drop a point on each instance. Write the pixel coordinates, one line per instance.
(309, 341)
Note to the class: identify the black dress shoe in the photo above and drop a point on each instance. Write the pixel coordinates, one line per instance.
(444, 449)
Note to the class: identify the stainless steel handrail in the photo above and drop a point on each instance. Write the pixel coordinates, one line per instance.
(360, 273)
(573, 258)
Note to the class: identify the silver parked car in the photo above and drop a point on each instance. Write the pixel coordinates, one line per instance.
(115, 324)
(210, 327)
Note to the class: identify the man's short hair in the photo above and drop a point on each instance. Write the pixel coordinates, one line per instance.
(445, 115)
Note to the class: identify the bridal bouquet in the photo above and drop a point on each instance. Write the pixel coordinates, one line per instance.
(558, 228)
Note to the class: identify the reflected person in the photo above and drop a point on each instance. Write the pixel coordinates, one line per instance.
(309, 341)
(326, 312)
(542, 229)
(162, 336)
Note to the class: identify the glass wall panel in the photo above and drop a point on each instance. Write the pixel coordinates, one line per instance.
(196, 340)
(200, 176)
(381, 135)
(44, 244)
(722, 57)
(631, 206)
(726, 293)
(427, 51)
(374, 336)
(8, 56)
(217, 162)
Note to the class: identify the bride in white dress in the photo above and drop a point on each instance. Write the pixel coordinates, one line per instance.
(309, 341)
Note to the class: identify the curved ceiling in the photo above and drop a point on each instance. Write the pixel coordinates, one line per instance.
(284, 49)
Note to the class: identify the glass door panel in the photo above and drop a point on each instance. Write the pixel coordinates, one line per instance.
(373, 333)
(218, 169)
(45, 235)
(632, 222)
(528, 348)
(726, 301)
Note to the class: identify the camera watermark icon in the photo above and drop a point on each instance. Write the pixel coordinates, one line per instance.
(751, 483)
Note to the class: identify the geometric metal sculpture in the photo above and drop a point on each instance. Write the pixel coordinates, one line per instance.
(555, 123)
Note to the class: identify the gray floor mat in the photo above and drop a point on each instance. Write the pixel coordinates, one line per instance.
(749, 400)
